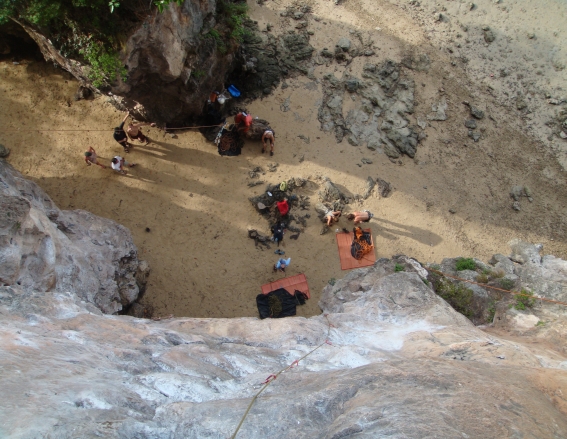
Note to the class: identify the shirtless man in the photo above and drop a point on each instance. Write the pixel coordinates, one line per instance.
(118, 164)
(360, 217)
(120, 135)
(268, 136)
(135, 131)
(91, 158)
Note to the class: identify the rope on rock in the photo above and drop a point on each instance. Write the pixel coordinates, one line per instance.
(514, 293)
(274, 376)
(18, 130)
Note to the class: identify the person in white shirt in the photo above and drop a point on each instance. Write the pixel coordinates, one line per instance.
(118, 164)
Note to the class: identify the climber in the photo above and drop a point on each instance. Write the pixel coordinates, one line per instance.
(135, 131)
(359, 217)
(91, 158)
(120, 135)
(268, 136)
(243, 121)
(281, 264)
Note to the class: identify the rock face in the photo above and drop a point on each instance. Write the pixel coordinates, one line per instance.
(46, 249)
(379, 121)
(387, 357)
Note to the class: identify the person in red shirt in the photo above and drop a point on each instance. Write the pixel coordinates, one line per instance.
(243, 121)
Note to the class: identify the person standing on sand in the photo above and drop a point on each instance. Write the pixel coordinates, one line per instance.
(268, 136)
(120, 135)
(91, 158)
(135, 131)
(118, 164)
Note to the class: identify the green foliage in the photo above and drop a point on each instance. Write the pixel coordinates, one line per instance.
(198, 74)
(162, 4)
(105, 65)
(332, 281)
(457, 295)
(215, 35)
(524, 299)
(506, 284)
(540, 323)
(425, 281)
(491, 311)
(399, 267)
(113, 4)
(465, 264)
(482, 278)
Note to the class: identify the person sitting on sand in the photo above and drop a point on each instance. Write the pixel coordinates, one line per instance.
(135, 131)
(332, 216)
(359, 217)
(91, 158)
(281, 264)
(118, 164)
(120, 135)
(268, 137)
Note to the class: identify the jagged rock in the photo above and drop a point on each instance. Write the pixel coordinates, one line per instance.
(475, 135)
(470, 124)
(523, 252)
(502, 263)
(343, 44)
(420, 63)
(42, 246)
(476, 112)
(384, 188)
(370, 183)
(517, 192)
(329, 192)
(4, 152)
(516, 206)
(439, 110)
(489, 35)
(352, 84)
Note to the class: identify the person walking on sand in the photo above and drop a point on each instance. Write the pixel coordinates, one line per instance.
(268, 137)
(360, 217)
(91, 158)
(135, 131)
(118, 164)
(281, 264)
(120, 135)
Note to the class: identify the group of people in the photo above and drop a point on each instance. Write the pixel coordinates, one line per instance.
(123, 137)
(244, 122)
(331, 216)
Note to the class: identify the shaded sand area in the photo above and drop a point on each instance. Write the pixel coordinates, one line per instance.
(195, 202)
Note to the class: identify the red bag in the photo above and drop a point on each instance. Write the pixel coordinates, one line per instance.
(283, 207)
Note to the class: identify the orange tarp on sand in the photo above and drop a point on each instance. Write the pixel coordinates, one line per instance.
(344, 241)
(292, 283)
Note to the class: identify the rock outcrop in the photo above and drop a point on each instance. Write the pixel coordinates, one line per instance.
(45, 249)
(387, 357)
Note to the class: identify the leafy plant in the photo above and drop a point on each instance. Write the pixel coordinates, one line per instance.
(491, 311)
(465, 264)
(456, 295)
(105, 65)
(540, 323)
(162, 4)
(332, 281)
(198, 74)
(506, 284)
(524, 299)
(399, 267)
(482, 278)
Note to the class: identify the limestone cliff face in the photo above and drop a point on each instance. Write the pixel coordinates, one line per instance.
(46, 249)
(399, 362)
(172, 65)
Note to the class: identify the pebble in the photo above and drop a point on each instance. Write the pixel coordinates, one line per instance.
(516, 206)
